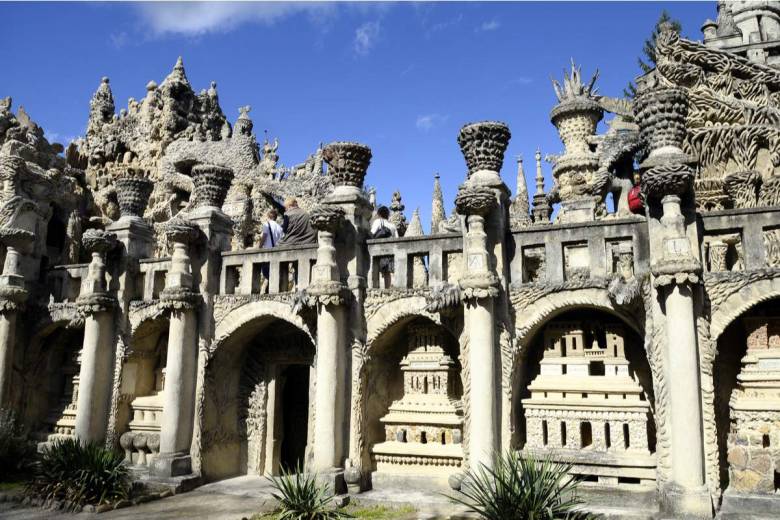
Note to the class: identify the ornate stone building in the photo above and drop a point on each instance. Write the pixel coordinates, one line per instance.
(642, 346)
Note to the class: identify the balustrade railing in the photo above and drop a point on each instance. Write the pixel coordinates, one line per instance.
(412, 262)
(257, 271)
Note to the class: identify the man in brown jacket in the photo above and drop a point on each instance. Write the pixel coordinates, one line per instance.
(297, 228)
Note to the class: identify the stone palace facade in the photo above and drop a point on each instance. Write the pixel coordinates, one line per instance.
(641, 344)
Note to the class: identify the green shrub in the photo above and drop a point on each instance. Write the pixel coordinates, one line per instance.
(16, 452)
(519, 488)
(301, 497)
(79, 474)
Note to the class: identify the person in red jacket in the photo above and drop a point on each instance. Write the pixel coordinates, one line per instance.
(636, 202)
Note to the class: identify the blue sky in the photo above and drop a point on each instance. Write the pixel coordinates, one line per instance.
(400, 77)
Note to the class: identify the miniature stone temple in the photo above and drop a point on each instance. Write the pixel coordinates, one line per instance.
(619, 312)
(587, 403)
(424, 428)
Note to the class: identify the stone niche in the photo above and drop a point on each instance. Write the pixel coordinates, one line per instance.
(423, 427)
(143, 382)
(51, 405)
(754, 436)
(587, 405)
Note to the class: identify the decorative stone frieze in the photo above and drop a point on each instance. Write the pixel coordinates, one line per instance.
(475, 200)
(326, 217)
(210, 184)
(667, 179)
(347, 162)
(483, 145)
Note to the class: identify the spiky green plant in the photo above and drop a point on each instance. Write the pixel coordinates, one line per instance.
(522, 488)
(301, 497)
(79, 474)
(573, 86)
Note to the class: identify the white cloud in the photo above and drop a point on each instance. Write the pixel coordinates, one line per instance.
(427, 122)
(365, 37)
(491, 25)
(197, 18)
(521, 80)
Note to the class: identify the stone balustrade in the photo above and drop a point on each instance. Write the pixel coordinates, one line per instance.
(563, 252)
(416, 261)
(288, 267)
(64, 281)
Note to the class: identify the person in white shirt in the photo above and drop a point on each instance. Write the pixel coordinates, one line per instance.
(381, 227)
(272, 232)
(270, 236)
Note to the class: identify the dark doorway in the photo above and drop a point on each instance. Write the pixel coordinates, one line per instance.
(295, 416)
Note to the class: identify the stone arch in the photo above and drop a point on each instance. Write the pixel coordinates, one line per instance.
(584, 306)
(50, 362)
(740, 302)
(262, 353)
(723, 351)
(390, 313)
(378, 381)
(532, 317)
(242, 317)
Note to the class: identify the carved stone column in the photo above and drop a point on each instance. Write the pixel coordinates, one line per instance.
(12, 297)
(181, 366)
(480, 287)
(666, 182)
(97, 353)
(329, 295)
(479, 199)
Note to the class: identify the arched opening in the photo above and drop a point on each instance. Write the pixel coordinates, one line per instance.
(747, 401)
(414, 412)
(139, 413)
(51, 383)
(585, 397)
(258, 401)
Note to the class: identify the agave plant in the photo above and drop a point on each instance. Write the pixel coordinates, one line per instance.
(301, 497)
(573, 87)
(522, 488)
(79, 474)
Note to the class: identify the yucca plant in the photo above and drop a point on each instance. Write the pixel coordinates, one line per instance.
(522, 488)
(16, 452)
(79, 474)
(301, 497)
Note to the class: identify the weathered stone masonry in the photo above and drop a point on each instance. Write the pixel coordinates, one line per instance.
(643, 349)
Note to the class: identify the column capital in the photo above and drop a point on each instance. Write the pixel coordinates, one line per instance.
(133, 189)
(483, 145)
(93, 303)
(347, 162)
(181, 231)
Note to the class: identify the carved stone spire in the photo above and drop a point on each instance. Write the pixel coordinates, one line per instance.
(437, 206)
(519, 211)
(178, 74)
(397, 216)
(542, 209)
(101, 106)
(539, 174)
(415, 228)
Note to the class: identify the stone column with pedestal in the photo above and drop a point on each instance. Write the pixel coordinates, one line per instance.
(482, 199)
(342, 316)
(12, 297)
(97, 353)
(181, 366)
(193, 329)
(329, 295)
(667, 178)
